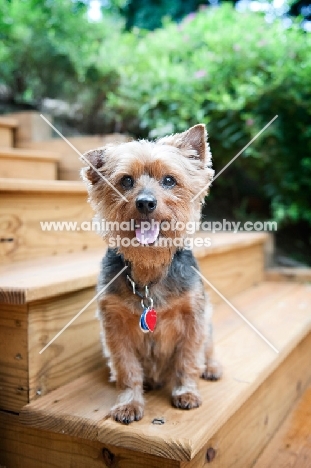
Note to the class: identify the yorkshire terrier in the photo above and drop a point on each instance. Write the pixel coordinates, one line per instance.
(155, 317)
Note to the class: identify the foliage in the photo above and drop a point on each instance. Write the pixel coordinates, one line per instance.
(232, 71)
(149, 14)
(48, 48)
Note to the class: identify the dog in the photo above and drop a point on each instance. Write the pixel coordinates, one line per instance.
(155, 317)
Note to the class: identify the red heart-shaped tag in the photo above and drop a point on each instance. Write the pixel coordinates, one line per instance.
(151, 319)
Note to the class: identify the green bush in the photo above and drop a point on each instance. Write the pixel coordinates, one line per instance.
(230, 70)
(49, 49)
(235, 72)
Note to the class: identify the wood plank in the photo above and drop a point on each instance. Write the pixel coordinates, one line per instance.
(31, 127)
(13, 357)
(7, 131)
(31, 280)
(23, 447)
(70, 163)
(225, 241)
(28, 203)
(37, 186)
(34, 279)
(6, 137)
(245, 358)
(82, 406)
(242, 438)
(29, 154)
(291, 445)
(8, 122)
(288, 274)
(27, 169)
(74, 353)
(233, 271)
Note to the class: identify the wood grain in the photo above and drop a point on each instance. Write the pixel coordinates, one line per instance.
(75, 352)
(13, 357)
(26, 203)
(291, 445)
(32, 280)
(247, 360)
(242, 438)
(28, 280)
(23, 447)
(25, 329)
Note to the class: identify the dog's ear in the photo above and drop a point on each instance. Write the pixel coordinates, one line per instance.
(95, 161)
(193, 141)
(194, 138)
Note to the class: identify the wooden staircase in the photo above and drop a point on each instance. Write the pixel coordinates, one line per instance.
(54, 406)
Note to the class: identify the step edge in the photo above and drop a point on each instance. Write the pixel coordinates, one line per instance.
(36, 155)
(192, 447)
(28, 293)
(284, 354)
(288, 274)
(258, 238)
(47, 186)
(187, 448)
(8, 122)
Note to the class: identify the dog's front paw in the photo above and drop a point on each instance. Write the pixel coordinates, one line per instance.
(213, 370)
(127, 413)
(186, 400)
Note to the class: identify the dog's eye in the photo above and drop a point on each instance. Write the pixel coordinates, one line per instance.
(168, 181)
(127, 182)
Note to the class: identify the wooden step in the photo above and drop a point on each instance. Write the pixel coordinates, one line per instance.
(70, 163)
(28, 164)
(238, 415)
(288, 274)
(25, 203)
(230, 256)
(7, 130)
(39, 297)
(291, 445)
(31, 127)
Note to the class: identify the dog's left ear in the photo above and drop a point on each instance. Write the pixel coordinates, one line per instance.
(95, 161)
(194, 138)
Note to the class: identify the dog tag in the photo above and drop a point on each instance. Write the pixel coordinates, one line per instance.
(148, 320)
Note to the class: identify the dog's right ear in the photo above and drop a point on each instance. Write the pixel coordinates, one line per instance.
(95, 161)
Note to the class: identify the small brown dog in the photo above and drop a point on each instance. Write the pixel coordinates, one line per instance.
(155, 184)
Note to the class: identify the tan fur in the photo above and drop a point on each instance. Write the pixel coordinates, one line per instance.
(180, 349)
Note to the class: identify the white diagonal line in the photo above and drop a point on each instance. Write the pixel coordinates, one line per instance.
(236, 311)
(236, 156)
(83, 157)
(82, 310)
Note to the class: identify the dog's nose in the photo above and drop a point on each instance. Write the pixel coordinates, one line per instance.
(146, 203)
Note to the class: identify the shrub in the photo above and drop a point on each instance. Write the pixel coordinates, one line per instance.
(230, 70)
(235, 72)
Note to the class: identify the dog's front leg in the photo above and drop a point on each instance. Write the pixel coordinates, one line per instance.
(129, 374)
(185, 394)
(121, 340)
(130, 405)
